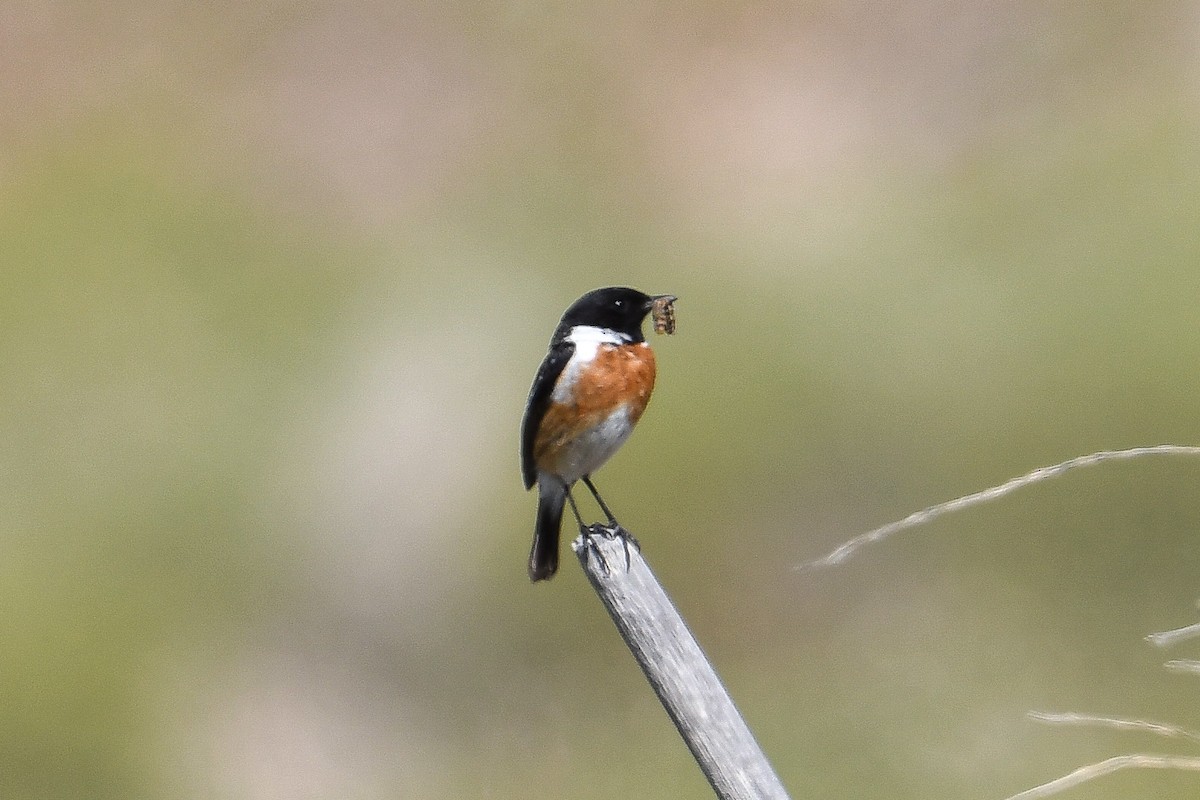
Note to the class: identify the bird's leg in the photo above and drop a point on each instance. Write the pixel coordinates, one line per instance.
(585, 531)
(614, 527)
(612, 521)
(575, 509)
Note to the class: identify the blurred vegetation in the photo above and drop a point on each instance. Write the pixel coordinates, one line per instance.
(276, 278)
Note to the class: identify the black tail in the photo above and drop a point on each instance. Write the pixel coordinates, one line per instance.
(543, 558)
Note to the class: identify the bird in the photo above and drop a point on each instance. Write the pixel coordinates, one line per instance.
(587, 396)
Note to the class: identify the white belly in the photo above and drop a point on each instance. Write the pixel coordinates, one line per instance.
(587, 453)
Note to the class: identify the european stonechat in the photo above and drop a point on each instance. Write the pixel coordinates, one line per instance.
(589, 392)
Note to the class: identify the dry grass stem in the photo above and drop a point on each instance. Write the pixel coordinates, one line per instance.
(1107, 767)
(1117, 723)
(850, 547)
(1168, 638)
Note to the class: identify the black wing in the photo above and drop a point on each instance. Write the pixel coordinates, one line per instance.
(539, 399)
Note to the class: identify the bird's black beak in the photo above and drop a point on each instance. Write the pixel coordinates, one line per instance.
(665, 298)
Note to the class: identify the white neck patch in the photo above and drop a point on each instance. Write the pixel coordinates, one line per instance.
(588, 338)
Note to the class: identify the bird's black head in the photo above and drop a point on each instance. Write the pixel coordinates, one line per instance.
(617, 308)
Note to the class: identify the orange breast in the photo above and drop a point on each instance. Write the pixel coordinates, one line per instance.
(619, 375)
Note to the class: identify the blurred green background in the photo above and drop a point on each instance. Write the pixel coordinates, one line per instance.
(276, 277)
